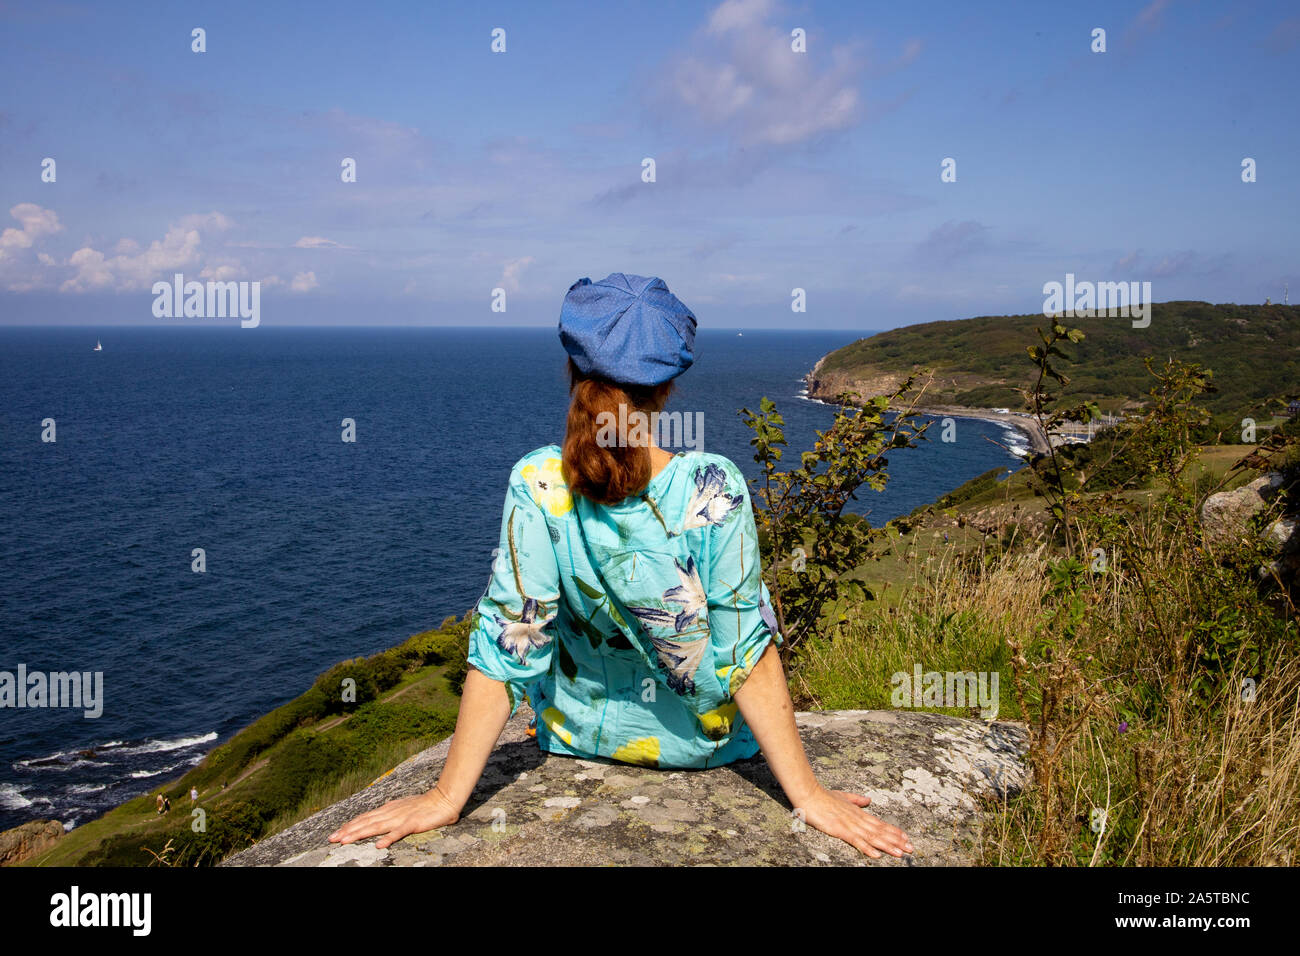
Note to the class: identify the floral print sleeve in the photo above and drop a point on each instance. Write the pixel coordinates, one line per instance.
(512, 640)
(741, 621)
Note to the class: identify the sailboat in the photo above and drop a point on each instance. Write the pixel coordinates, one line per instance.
(98, 347)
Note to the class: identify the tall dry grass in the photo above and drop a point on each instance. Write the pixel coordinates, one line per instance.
(1144, 749)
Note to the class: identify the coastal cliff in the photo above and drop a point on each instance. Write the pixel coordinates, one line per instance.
(980, 362)
(926, 773)
(827, 386)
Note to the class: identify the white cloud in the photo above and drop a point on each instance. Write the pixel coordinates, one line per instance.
(303, 282)
(176, 251)
(126, 265)
(132, 269)
(36, 223)
(1127, 261)
(739, 15)
(510, 274)
(318, 242)
(213, 221)
(747, 79)
(92, 271)
(223, 273)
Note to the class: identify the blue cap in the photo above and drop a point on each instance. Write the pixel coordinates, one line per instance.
(627, 328)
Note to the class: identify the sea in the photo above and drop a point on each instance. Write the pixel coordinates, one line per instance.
(172, 445)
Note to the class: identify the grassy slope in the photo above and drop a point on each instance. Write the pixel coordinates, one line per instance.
(405, 718)
(923, 538)
(838, 675)
(1253, 350)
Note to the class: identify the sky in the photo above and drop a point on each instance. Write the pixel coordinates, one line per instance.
(490, 180)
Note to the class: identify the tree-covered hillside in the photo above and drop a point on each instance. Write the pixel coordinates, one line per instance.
(1252, 350)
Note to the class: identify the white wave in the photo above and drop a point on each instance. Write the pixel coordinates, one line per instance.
(56, 761)
(162, 746)
(48, 757)
(87, 787)
(47, 763)
(142, 774)
(816, 401)
(11, 798)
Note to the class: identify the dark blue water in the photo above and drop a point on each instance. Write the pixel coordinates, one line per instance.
(316, 550)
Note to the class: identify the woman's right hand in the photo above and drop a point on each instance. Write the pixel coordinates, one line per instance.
(400, 818)
(840, 814)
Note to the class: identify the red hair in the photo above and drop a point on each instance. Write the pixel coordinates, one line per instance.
(606, 472)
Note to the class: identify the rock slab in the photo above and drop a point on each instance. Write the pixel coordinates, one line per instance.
(1225, 516)
(28, 839)
(925, 773)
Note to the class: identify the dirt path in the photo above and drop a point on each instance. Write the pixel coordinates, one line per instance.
(251, 770)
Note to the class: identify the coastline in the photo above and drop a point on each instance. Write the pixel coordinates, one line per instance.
(1020, 421)
(270, 772)
(245, 777)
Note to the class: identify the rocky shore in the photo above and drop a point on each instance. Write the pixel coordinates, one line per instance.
(825, 387)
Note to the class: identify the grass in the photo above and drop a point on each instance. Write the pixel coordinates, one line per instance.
(306, 754)
(325, 793)
(1144, 748)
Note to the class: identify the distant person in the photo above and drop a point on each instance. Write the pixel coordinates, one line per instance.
(194, 795)
(167, 805)
(159, 803)
(659, 553)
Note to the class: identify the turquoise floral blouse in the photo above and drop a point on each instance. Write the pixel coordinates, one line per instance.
(629, 627)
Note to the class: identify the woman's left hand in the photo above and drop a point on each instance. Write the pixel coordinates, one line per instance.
(399, 818)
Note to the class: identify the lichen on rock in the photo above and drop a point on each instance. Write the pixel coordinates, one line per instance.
(925, 773)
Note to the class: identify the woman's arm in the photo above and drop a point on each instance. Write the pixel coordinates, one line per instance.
(764, 700)
(484, 710)
(506, 643)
